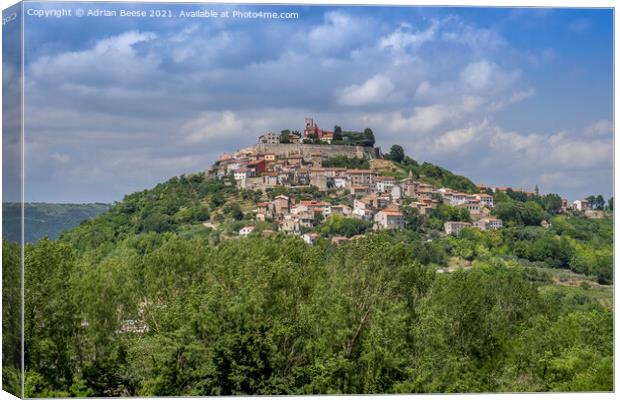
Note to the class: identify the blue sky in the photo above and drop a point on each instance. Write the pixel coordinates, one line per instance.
(510, 97)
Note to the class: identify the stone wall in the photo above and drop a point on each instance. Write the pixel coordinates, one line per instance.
(306, 150)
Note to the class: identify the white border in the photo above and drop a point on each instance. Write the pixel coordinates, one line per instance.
(471, 3)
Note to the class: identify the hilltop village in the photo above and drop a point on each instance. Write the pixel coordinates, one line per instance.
(375, 194)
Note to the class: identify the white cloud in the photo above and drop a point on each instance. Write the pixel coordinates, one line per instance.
(582, 154)
(213, 125)
(403, 38)
(114, 57)
(376, 89)
(423, 119)
(521, 95)
(338, 31)
(477, 75)
(600, 128)
(456, 139)
(486, 75)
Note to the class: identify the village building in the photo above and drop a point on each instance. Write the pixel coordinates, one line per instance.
(360, 190)
(582, 205)
(310, 237)
(225, 157)
(294, 137)
(290, 226)
(363, 209)
(341, 182)
(312, 130)
(454, 227)
(269, 138)
(396, 192)
(320, 207)
(486, 200)
(342, 209)
(455, 198)
(473, 206)
(384, 183)
(242, 174)
(281, 204)
(489, 223)
(389, 219)
(361, 176)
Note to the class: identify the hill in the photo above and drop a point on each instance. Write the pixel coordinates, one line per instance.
(46, 219)
(162, 295)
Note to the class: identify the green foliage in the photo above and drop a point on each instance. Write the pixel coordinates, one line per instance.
(597, 202)
(337, 225)
(355, 138)
(516, 213)
(346, 162)
(446, 212)
(285, 136)
(168, 207)
(397, 153)
(140, 301)
(11, 318)
(434, 174)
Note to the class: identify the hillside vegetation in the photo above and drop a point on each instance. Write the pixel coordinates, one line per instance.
(157, 297)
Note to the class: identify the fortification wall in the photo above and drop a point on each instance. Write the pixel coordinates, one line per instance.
(306, 150)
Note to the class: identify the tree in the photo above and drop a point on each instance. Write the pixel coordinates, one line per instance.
(337, 133)
(337, 225)
(397, 153)
(369, 137)
(285, 136)
(552, 203)
(610, 203)
(600, 202)
(413, 219)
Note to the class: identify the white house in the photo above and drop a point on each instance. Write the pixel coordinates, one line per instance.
(246, 230)
(310, 237)
(362, 209)
(582, 205)
(486, 200)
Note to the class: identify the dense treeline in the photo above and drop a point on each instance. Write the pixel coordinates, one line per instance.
(275, 316)
(434, 174)
(345, 162)
(168, 207)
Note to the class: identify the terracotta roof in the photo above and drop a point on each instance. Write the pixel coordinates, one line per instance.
(314, 203)
(388, 211)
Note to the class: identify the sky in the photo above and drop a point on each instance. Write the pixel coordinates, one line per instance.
(504, 96)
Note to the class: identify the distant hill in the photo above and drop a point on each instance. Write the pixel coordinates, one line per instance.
(46, 219)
